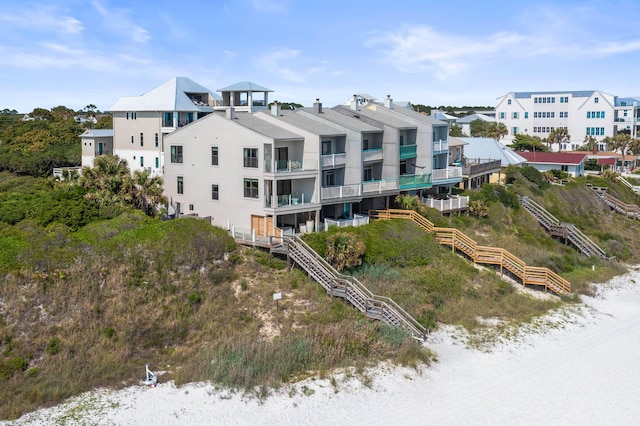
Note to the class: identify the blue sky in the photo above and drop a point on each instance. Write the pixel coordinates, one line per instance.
(73, 53)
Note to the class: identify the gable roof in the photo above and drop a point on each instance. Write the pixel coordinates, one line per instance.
(472, 117)
(169, 96)
(553, 157)
(245, 86)
(97, 133)
(489, 148)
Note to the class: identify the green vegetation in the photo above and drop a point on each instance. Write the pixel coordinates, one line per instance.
(88, 299)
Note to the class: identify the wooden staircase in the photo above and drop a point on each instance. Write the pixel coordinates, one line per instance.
(347, 287)
(529, 275)
(567, 231)
(632, 211)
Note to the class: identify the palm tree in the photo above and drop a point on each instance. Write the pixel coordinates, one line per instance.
(144, 192)
(104, 181)
(558, 135)
(620, 142)
(591, 144)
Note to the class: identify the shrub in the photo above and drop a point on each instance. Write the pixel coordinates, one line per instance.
(344, 250)
(53, 347)
(194, 298)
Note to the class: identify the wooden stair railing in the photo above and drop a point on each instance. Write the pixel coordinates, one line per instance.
(457, 240)
(349, 288)
(630, 210)
(568, 231)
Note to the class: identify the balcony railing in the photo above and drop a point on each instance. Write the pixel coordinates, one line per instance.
(479, 166)
(440, 145)
(358, 220)
(338, 192)
(408, 151)
(287, 200)
(333, 160)
(415, 181)
(454, 203)
(379, 186)
(374, 154)
(445, 174)
(286, 166)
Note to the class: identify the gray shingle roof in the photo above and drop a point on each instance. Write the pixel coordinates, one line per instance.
(308, 124)
(264, 127)
(342, 120)
(391, 120)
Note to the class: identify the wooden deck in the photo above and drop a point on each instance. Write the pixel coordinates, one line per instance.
(537, 277)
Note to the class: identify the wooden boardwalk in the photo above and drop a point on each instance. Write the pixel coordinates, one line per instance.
(538, 277)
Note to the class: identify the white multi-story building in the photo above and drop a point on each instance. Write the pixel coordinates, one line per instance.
(583, 113)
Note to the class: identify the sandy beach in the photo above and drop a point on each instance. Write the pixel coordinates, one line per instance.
(577, 366)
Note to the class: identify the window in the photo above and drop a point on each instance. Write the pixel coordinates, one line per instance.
(180, 185)
(157, 162)
(515, 130)
(365, 143)
(134, 115)
(131, 138)
(553, 114)
(326, 147)
(401, 140)
(215, 192)
(588, 114)
(127, 116)
(176, 154)
(328, 178)
(509, 101)
(602, 114)
(595, 100)
(167, 120)
(191, 207)
(526, 114)
(141, 139)
(553, 100)
(251, 188)
(251, 158)
(141, 161)
(156, 140)
(403, 168)
(502, 115)
(214, 155)
(515, 115)
(368, 174)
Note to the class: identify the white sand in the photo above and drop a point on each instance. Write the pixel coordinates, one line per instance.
(579, 366)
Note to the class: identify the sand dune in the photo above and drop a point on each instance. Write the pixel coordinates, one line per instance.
(578, 366)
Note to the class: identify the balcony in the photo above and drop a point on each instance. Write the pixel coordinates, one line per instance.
(333, 160)
(445, 175)
(455, 203)
(440, 146)
(408, 151)
(379, 186)
(291, 166)
(287, 200)
(415, 181)
(480, 166)
(339, 192)
(372, 155)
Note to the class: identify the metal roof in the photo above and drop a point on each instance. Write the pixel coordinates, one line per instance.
(489, 148)
(335, 118)
(97, 133)
(306, 123)
(391, 120)
(553, 157)
(169, 96)
(574, 93)
(245, 86)
(472, 117)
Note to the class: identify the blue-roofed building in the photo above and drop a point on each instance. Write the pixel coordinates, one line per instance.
(584, 113)
(95, 142)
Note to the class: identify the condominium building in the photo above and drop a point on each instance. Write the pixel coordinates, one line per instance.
(277, 169)
(583, 113)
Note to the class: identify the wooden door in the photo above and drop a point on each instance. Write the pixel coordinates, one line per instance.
(257, 224)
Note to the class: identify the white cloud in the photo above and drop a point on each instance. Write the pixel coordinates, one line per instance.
(42, 18)
(118, 20)
(289, 65)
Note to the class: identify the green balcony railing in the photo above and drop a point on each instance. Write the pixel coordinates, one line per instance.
(415, 181)
(407, 151)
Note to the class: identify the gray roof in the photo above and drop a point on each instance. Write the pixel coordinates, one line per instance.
(574, 93)
(386, 119)
(335, 118)
(489, 148)
(97, 133)
(472, 117)
(169, 96)
(308, 124)
(409, 112)
(245, 86)
(264, 127)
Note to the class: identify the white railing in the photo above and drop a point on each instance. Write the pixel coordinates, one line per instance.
(378, 186)
(292, 166)
(333, 160)
(63, 172)
(344, 191)
(454, 203)
(440, 145)
(358, 220)
(448, 173)
(372, 154)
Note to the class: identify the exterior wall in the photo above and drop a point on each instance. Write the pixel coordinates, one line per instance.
(198, 173)
(91, 148)
(572, 169)
(125, 130)
(511, 111)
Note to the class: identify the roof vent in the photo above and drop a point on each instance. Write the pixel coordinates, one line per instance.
(317, 106)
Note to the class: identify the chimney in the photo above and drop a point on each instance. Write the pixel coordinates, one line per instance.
(354, 103)
(388, 103)
(231, 113)
(317, 106)
(275, 109)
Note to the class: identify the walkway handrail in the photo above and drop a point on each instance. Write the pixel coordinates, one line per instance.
(355, 290)
(483, 254)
